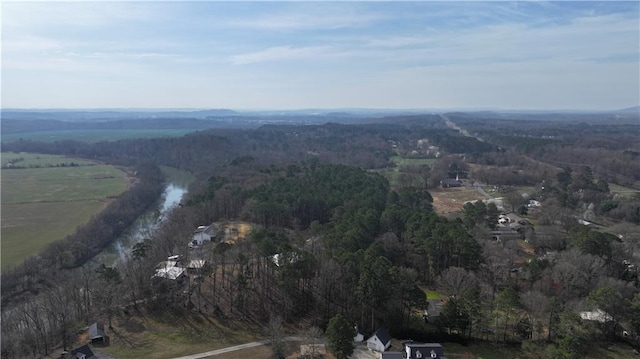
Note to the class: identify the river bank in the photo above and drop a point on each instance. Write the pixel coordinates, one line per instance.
(176, 187)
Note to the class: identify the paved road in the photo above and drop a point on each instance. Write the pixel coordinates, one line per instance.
(237, 347)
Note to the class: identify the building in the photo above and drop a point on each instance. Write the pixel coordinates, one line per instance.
(170, 269)
(359, 336)
(450, 182)
(380, 340)
(423, 351)
(172, 273)
(83, 352)
(203, 234)
(96, 333)
(412, 350)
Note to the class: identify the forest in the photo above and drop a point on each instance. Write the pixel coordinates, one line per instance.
(354, 243)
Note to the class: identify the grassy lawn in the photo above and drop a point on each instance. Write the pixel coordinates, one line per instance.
(623, 191)
(485, 350)
(61, 184)
(399, 161)
(45, 204)
(29, 227)
(432, 295)
(41, 160)
(94, 135)
(482, 350)
(392, 173)
(146, 337)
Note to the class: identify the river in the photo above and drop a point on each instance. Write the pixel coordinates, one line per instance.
(145, 225)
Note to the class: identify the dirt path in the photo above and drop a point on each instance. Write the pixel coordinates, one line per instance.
(236, 347)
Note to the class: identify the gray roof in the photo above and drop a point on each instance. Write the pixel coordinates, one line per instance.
(425, 350)
(383, 335)
(96, 331)
(392, 355)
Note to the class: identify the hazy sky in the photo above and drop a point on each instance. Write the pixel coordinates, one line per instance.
(292, 55)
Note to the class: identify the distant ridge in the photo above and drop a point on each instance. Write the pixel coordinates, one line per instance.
(116, 114)
(632, 110)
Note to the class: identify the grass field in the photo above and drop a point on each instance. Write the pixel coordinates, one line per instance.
(623, 191)
(449, 200)
(393, 173)
(39, 160)
(146, 337)
(93, 135)
(42, 205)
(61, 184)
(399, 161)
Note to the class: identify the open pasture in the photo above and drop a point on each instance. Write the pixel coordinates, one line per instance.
(449, 200)
(43, 203)
(29, 227)
(61, 184)
(399, 161)
(32, 160)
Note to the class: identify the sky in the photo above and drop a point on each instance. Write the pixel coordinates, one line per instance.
(326, 55)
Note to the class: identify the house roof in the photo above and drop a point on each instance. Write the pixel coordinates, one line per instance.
(383, 335)
(425, 350)
(597, 315)
(392, 355)
(451, 181)
(96, 331)
(196, 263)
(169, 272)
(83, 350)
(210, 229)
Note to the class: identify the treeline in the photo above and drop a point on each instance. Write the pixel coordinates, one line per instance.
(605, 143)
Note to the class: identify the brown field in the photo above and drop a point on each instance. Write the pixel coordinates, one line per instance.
(451, 200)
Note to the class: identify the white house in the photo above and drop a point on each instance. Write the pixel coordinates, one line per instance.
(597, 315)
(173, 273)
(359, 337)
(379, 341)
(202, 234)
(423, 351)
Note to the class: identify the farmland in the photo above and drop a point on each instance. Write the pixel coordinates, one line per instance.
(93, 135)
(46, 197)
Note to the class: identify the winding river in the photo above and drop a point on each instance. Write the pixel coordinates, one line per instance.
(145, 225)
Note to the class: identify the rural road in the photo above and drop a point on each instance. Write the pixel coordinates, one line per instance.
(236, 347)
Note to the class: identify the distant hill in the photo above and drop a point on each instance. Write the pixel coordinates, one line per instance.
(109, 115)
(11, 126)
(630, 110)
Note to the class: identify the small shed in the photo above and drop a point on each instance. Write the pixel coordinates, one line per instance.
(450, 182)
(96, 333)
(380, 340)
(196, 265)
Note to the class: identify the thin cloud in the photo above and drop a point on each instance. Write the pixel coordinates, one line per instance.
(279, 53)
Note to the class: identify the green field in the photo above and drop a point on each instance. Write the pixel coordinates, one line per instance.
(93, 135)
(31, 160)
(44, 204)
(393, 173)
(400, 162)
(623, 191)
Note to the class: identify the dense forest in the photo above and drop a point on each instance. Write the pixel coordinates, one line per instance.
(350, 241)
